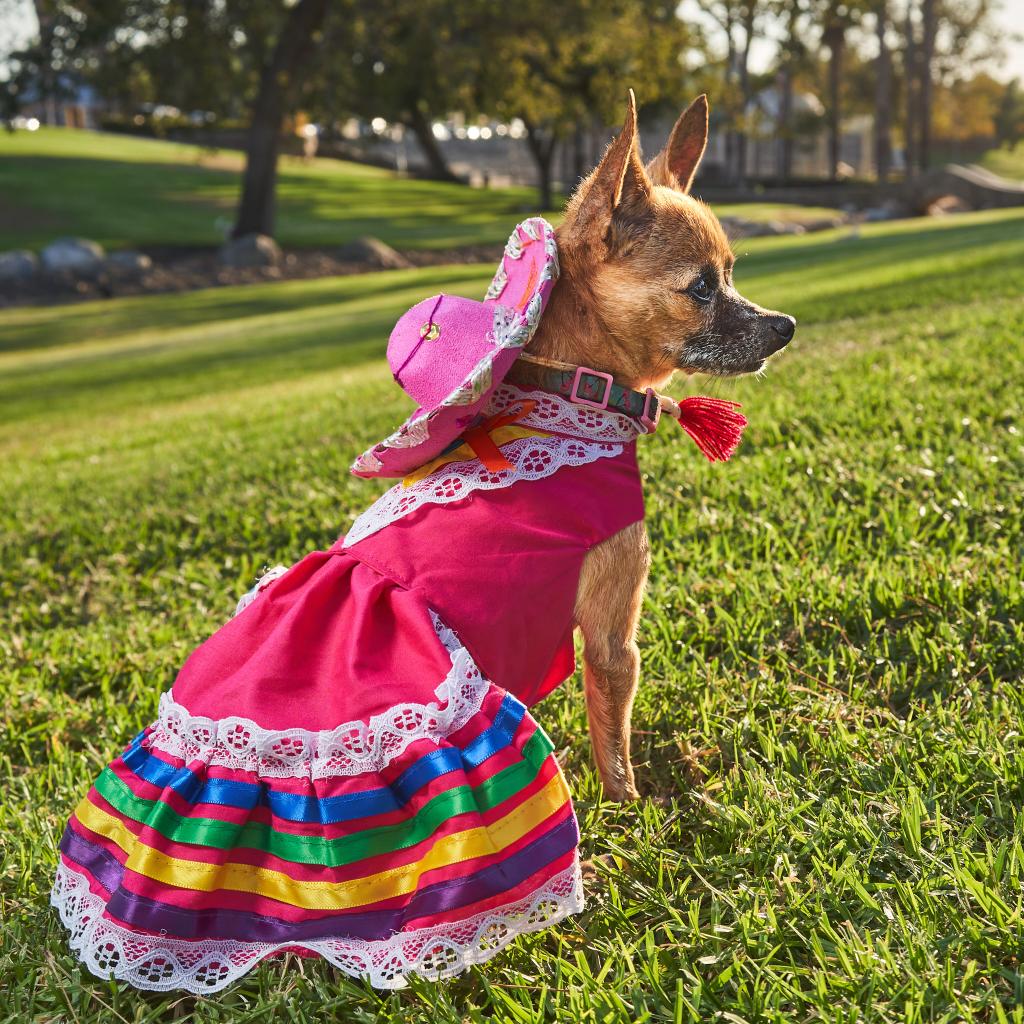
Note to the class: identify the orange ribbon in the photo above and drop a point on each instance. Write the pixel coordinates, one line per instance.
(479, 437)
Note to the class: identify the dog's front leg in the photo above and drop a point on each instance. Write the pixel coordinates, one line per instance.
(607, 610)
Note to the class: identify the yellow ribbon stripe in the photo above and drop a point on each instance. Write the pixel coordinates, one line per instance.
(314, 895)
(464, 453)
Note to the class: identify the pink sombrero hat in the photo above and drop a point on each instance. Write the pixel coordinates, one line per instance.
(449, 353)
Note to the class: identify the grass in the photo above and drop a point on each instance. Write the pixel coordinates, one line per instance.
(828, 732)
(1007, 162)
(125, 191)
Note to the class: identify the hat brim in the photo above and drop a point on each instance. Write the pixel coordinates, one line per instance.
(531, 254)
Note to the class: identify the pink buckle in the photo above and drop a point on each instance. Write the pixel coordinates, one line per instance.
(575, 396)
(649, 423)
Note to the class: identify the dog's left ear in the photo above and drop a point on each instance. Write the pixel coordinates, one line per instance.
(611, 208)
(676, 165)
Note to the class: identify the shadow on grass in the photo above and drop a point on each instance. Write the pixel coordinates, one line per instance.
(154, 202)
(821, 280)
(37, 328)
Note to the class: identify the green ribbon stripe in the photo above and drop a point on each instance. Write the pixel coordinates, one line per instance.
(317, 850)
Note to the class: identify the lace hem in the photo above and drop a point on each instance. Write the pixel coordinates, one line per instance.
(350, 749)
(160, 964)
(532, 458)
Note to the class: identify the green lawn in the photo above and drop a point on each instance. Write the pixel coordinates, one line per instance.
(829, 728)
(125, 191)
(1007, 162)
(122, 191)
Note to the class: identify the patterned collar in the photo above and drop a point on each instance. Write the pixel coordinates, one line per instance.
(596, 389)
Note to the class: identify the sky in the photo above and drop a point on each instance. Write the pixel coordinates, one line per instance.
(18, 25)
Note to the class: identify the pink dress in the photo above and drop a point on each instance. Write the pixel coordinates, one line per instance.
(348, 767)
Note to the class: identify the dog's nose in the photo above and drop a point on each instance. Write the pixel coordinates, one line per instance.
(783, 326)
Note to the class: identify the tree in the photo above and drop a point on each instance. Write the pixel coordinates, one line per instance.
(943, 39)
(837, 19)
(929, 30)
(793, 55)
(415, 62)
(562, 67)
(279, 80)
(883, 93)
(744, 17)
(1009, 116)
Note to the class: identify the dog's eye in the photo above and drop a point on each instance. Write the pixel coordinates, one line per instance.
(701, 290)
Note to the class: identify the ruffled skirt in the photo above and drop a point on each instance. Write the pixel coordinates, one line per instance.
(331, 774)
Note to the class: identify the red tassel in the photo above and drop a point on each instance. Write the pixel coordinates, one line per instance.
(714, 425)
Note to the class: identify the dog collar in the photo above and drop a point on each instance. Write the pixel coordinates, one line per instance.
(596, 389)
(714, 424)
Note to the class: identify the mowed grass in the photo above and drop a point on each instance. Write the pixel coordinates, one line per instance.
(1006, 160)
(828, 731)
(125, 191)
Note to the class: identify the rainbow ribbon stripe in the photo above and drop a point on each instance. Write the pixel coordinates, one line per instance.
(443, 833)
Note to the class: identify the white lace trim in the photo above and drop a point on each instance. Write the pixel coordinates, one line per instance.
(532, 458)
(350, 749)
(262, 583)
(553, 412)
(160, 964)
(596, 434)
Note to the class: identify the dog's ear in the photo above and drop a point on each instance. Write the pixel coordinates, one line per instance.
(612, 206)
(677, 163)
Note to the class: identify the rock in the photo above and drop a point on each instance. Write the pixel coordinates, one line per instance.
(824, 224)
(18, 265)
(738, 227)
(77, 256)
(947, 204)
(785, 227)
(251, 251)
(373, 252)
(128, 264)
(872, 214)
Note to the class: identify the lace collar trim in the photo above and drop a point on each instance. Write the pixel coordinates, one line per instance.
(579, 435)
(555, 413)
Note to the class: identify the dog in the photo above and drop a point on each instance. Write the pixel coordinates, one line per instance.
(362, 726)
(646, 291)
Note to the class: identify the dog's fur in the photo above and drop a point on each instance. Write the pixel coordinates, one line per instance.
(645, 290)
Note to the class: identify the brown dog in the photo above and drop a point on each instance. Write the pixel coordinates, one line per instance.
(645, 290)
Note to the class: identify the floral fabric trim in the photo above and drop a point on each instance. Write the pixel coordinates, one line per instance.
(350, 749)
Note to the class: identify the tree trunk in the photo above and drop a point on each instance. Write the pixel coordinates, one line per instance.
(929, 27)
(745, 90)
(437, 166)
(579, 156)
(277, 82)
(883, 96)
(47, 83)
(835, 38)
(732, 134)
(910, 100)
(787, 73)
(785, 126)
(541, 144)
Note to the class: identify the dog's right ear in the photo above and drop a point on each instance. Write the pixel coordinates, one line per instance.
(611, 207)
(676, 165)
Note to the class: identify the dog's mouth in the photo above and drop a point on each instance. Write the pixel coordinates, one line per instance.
(738, 340)
(732, 355)
(717, 367)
